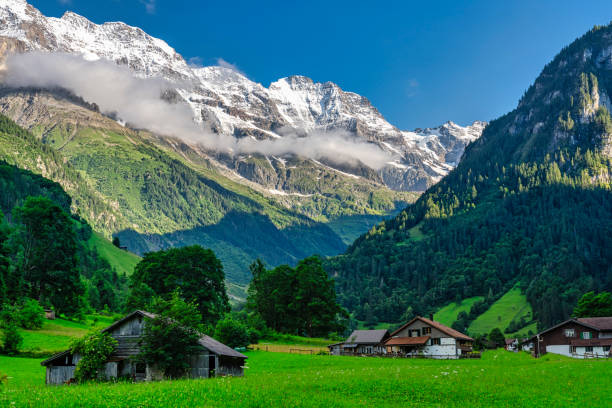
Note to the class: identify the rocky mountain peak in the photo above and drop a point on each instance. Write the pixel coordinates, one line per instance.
(231, 104)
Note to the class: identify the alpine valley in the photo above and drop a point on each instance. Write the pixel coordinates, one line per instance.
(155, 190)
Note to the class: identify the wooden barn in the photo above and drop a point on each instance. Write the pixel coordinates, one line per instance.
(215, 359)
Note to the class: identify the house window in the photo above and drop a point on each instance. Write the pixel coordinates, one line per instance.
(435, 342)
(415, 333)
(573, 349)
(606, 349)
(426, 330)
(588, 349)
(586, 335)
(569, 333)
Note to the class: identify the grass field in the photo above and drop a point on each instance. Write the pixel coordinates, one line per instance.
(500, 379)
(513, 305)
(123, 261)
(448, 314)
(55, 335)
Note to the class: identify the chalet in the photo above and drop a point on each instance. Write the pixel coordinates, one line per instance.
(586, 337)
(214, 359)
(428, 338)
(361, 342)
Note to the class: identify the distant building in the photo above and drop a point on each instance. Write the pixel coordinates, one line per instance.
(512, 344)
(361, 342)
(428, 338)
(214, 359)
(588, 337)
(50, 314)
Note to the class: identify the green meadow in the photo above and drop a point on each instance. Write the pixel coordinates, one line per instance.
(512, 306)
(499, 379)
(448, 314)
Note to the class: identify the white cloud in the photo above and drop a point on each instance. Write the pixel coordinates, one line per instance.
(224, 64)
(137, 101)
(150, 6)
(412, 88)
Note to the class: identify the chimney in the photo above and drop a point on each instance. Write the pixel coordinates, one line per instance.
(431, 317)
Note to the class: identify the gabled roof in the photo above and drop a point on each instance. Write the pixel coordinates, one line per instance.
(598, 323)
(205, 341)
(119, 322)
(444, 329)
(367, 336)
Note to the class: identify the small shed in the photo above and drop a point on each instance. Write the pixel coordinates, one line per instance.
(50, 314)
(214, 359)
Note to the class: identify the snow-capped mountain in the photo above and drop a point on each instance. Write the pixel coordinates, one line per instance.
(231, 104)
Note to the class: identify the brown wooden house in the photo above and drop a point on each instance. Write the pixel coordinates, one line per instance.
(588, 337)
(428, 338)
(214, 358)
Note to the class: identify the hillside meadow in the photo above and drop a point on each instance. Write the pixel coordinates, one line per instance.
(500, 379)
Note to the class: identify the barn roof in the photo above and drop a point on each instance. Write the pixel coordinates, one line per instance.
(55, 357)
(367, 336)
(444, 329)
(219, 348)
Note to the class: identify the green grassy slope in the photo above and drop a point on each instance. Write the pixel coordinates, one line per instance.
(500, 379)
(123, 261)
(512, 306)
(55, 335)
(447, 315)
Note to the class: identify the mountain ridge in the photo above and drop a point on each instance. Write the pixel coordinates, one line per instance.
(242, 108)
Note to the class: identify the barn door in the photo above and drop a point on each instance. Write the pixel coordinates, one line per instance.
(212, 367)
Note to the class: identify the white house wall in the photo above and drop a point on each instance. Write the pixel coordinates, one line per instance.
(564, 350)
(446, 349)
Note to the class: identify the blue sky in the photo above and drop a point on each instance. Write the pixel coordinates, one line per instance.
(421, 63)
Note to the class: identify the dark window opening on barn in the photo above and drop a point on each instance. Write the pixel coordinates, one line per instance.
(588, 349)
(141, 368)
(606, 349)
(211, 366)
(572, 349)
(435, 342)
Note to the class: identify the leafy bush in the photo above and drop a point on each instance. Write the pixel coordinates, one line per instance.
(31, 315)
(3, 378)
(11, 339)
(94, 351)
(232, 332)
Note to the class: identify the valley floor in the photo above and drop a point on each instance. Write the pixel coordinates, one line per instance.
(500, 379)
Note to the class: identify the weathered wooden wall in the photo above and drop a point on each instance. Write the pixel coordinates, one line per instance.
(57, 375)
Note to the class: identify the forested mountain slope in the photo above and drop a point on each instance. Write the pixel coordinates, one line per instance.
(530, 203)
(82, 279)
